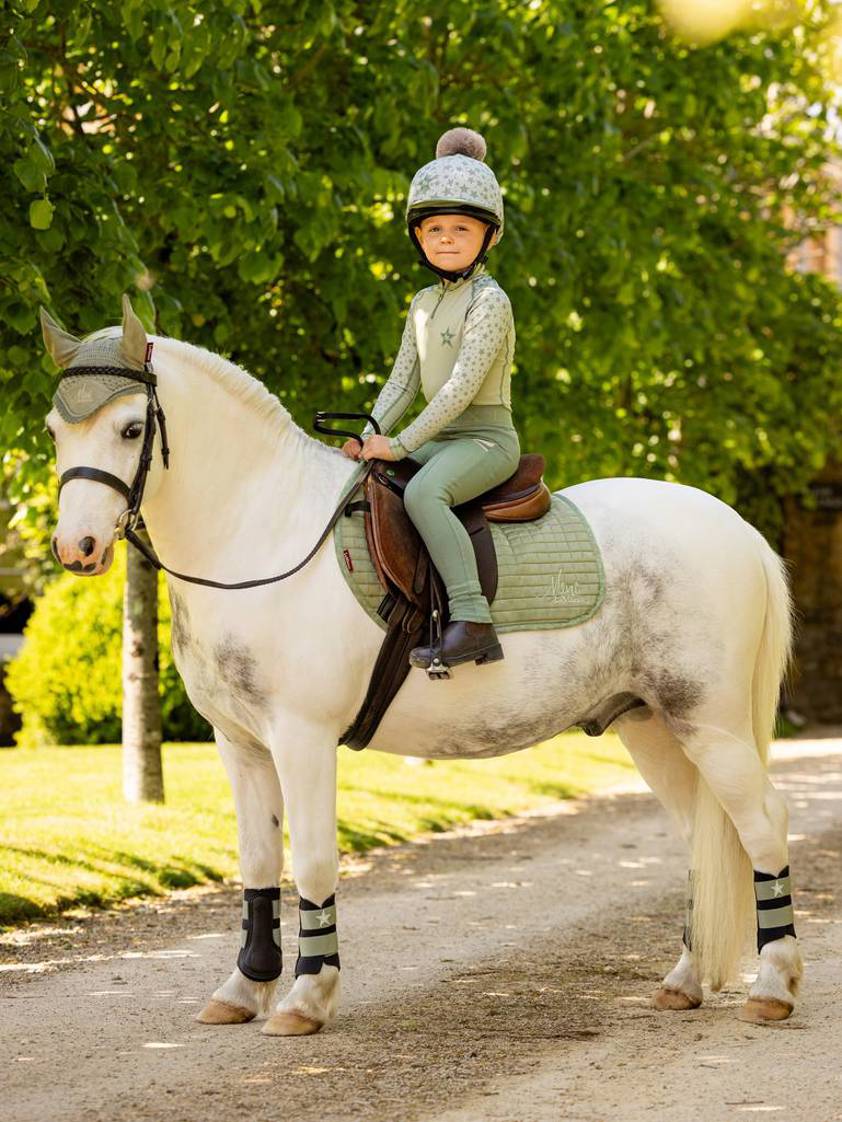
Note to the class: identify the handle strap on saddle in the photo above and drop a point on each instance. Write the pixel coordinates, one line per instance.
(320, 426)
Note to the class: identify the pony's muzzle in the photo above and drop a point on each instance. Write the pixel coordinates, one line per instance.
(85, 557)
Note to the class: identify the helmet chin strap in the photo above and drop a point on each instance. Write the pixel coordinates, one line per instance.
(457, 274)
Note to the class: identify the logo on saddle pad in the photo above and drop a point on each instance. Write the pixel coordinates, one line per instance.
(561, 592)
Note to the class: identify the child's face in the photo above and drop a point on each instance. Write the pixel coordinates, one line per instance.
(452, 241)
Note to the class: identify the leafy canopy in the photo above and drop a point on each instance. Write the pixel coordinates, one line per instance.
(242, 167)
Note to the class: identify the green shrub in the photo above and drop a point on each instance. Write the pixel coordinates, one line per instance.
(66, 680)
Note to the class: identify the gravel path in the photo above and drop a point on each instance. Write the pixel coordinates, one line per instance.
(502, 978)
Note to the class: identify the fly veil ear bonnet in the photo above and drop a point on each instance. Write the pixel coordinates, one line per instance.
(457, 181)
(99, 368)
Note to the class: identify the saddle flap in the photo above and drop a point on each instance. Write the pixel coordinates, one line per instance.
(394, 543)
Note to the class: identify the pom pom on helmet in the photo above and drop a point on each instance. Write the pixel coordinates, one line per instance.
(461, 142)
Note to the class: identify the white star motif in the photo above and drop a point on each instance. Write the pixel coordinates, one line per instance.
(324, 919)
(778, 888)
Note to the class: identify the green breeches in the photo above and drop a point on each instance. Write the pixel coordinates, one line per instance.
(469, 456)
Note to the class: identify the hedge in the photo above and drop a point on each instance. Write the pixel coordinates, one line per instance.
(66, 681)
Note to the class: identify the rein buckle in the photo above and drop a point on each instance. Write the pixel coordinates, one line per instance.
(128, 520)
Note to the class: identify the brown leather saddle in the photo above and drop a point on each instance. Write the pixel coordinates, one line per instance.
(397, 549)
(415, 597)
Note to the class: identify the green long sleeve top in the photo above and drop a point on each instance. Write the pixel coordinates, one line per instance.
(458, 344)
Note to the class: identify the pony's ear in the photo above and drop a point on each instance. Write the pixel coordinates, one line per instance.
(133, 344)
(61, 346)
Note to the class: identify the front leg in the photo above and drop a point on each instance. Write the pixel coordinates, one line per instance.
(260, 810)
(305, 756)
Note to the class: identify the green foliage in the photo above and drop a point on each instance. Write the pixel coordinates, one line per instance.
(66, 680)
(243, 166)
(27, 526)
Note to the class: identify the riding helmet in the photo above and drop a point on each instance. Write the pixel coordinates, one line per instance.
(457, 181)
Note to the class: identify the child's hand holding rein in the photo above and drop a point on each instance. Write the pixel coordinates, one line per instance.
(376, 448)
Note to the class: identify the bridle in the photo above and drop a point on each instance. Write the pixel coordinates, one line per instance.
(129, 522)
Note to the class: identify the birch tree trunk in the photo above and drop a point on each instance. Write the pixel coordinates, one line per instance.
(143, 779)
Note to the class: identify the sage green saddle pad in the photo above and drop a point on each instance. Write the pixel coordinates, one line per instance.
(549, 571)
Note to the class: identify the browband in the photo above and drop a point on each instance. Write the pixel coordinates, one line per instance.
(145, 376)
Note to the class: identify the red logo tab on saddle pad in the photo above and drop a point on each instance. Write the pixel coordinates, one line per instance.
(348, 560)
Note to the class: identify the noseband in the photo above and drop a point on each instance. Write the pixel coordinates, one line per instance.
(128, 520)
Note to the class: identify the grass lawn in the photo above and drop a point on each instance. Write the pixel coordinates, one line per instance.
(67, 838)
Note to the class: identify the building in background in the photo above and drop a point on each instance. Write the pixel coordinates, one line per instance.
(812, 542)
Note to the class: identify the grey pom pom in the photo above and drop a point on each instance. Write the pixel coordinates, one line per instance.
(461, 142)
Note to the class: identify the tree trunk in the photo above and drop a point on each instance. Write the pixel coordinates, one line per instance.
(143, 779)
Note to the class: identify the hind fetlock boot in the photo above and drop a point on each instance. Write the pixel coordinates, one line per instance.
(462, 641)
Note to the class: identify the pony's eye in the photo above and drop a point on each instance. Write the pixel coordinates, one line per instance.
(132, 430)
(50, 433)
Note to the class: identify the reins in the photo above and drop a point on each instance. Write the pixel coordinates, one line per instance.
(129, 520)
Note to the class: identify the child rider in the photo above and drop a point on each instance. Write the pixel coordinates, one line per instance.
(457, 345)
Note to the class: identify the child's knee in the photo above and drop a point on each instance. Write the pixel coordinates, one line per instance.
(418, 498)
(412, 496)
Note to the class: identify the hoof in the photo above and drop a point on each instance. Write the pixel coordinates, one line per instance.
(664, 999)
(221, 1013)
(762, 1010)
(290, 1024)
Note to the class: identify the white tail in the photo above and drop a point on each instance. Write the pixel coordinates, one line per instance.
(723, 892)
(773, 658)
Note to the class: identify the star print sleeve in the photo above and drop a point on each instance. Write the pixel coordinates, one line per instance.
(401, 387)
(486, 325)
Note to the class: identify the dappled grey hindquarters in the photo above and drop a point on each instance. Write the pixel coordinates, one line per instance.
(486, 1025)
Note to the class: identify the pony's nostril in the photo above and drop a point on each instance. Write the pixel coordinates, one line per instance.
(54, 547)
(87, 546)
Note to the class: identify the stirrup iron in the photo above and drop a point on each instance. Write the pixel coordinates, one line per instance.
(437, 669)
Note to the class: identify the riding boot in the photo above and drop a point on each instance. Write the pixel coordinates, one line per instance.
(462, 641)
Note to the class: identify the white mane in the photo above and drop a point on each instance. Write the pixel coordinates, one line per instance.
(232, 378)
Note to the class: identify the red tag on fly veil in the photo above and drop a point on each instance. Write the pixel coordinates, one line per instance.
(348, 561)
(148, 358)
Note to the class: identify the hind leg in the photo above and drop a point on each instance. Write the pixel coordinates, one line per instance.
(731, 767)
(660, 759)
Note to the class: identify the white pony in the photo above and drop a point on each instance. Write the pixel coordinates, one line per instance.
(695, 621)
